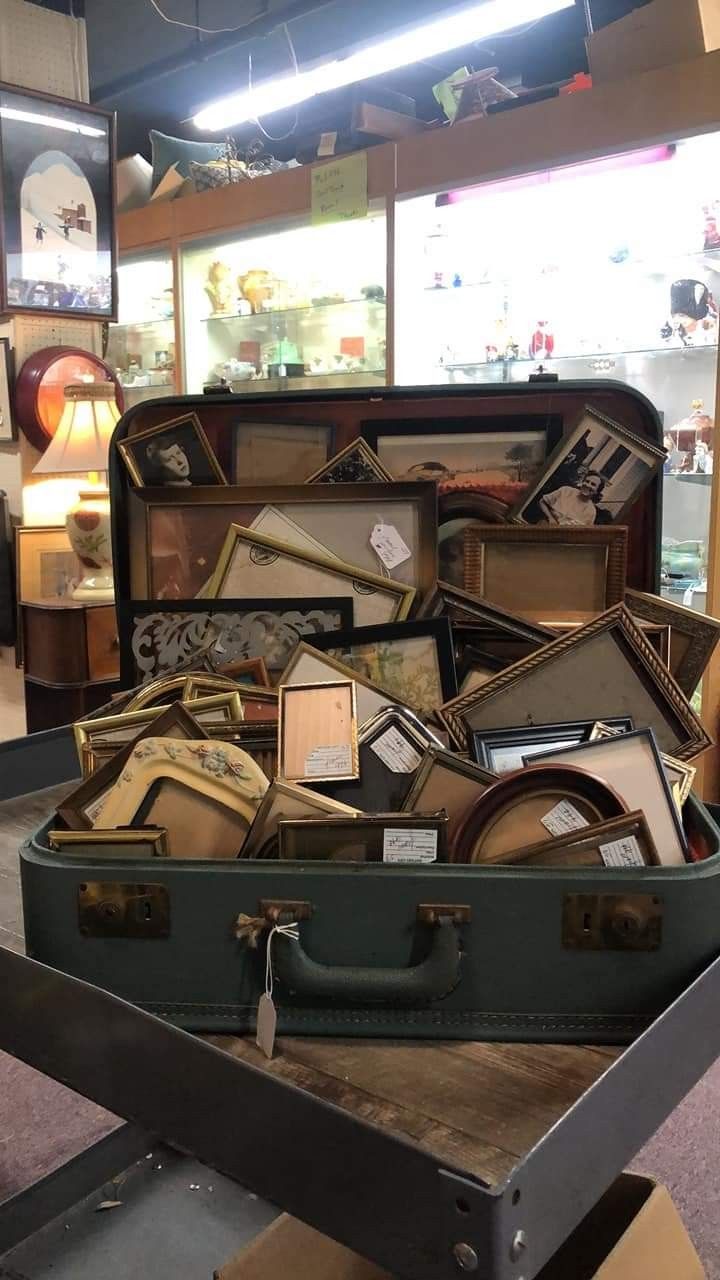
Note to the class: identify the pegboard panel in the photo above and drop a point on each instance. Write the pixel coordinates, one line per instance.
(43, 50)
(32, 333)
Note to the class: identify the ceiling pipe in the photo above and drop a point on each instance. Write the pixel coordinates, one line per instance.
(203, 50)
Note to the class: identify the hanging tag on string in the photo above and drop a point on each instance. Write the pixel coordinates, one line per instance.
(387, 543)
(267, 1013)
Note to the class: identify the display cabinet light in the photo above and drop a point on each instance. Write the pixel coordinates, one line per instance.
(451, 31)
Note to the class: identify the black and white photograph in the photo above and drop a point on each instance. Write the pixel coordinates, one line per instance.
(57, 233)
(500, 464)
(593, 477)
(175, 455)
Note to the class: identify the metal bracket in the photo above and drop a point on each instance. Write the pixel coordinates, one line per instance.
(612, 922)
(465, 1245)
(115, 909)
(273, 908)
(431, 912)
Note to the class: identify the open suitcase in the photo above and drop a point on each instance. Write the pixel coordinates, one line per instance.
(445, 951)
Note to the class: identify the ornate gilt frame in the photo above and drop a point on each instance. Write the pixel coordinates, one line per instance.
(369, 457)
(703, 633)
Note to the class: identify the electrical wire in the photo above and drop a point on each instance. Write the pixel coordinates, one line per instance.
(192, 26)
(293, 54)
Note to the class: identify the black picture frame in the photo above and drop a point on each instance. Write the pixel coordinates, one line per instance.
(486, 745)
(130, 611)
(436, 629)
(68, 143)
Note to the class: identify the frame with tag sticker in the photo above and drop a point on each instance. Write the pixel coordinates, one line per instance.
(413, 660)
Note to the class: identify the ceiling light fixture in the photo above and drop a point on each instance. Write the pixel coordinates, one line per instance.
(449, 32)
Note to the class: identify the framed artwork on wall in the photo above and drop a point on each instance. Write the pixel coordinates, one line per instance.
(8, 427)
(57, 227)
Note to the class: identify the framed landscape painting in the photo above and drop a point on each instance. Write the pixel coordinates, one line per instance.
(57, 229)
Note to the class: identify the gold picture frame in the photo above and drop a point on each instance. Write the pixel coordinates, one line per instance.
(99, 843)
(357, 463)
(192, 685)
(285, 799)
(264, 550)
(105, 729)
(371, 697)
(186, 423)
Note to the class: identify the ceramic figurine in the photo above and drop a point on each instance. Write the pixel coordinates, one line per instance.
(218, 288)
(258, 287)
(542, 343)
(693, 313)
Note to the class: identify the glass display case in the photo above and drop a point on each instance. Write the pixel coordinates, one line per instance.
(609, 268)
(287, 309)
(141, 346)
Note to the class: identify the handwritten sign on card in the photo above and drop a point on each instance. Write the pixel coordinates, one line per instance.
(340, 189)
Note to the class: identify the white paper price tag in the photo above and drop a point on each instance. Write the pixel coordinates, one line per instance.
(266, 1025)
(396, 752)
(326, 146)
(329, 762)
(389, 546)
(404, 845)
(622, 853)
(564, 817)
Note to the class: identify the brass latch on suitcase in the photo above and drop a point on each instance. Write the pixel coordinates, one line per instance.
(115, 909)
(612, 922)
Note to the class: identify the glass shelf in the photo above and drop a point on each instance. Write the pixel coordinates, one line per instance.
(142, 343)
(589, 357)
(261, 316)
(669, 266)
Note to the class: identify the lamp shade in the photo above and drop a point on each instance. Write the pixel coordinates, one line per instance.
(82, 440)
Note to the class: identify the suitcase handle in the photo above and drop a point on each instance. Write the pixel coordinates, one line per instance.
(432, 979)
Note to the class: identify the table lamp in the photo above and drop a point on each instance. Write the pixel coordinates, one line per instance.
(81, 443)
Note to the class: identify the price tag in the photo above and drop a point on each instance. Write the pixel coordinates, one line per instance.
(266, 1025)
(329, 762)
(405, 845)
(389, 546)
(327, 143)
(564, 817)
(622, 853)
(396, 752)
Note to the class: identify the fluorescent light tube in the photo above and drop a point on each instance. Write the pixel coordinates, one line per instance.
(445, 33)
(32, 117)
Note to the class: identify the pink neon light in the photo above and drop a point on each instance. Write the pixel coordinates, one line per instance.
(584, 169)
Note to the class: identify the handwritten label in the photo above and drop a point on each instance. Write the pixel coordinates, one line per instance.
(389, 546)
(622, 853)
(564, 817)
(404, 845)
(329, 762)
(327, 143)
(396, 752)
(339, 189)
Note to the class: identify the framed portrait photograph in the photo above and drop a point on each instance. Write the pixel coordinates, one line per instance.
(157, 634)
(8, 427)
(593, 477)
(546, 575)
(57, 230)
(412, 660)
(174, 455)
(279, 452)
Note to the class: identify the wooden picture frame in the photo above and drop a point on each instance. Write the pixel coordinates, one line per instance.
(357, 463)
(371, 594)
(285, 799)
(407, 839)
(309, 665)
(607, 666)
(548, 574)
(8, 424)
(82, 143)
(267, 631)
(97, 844)
(445, 780)
(506, 750)
(465, 609)
(585, 450)
(318, 732)
(298, 447)
(693, 636)
(176, 536)
(413, 660)
(631, 763)
(193, 455)
(618, 843)
(80, 807)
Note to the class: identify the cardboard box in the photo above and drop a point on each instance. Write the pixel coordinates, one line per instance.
(633, 1233)
(661, 33)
